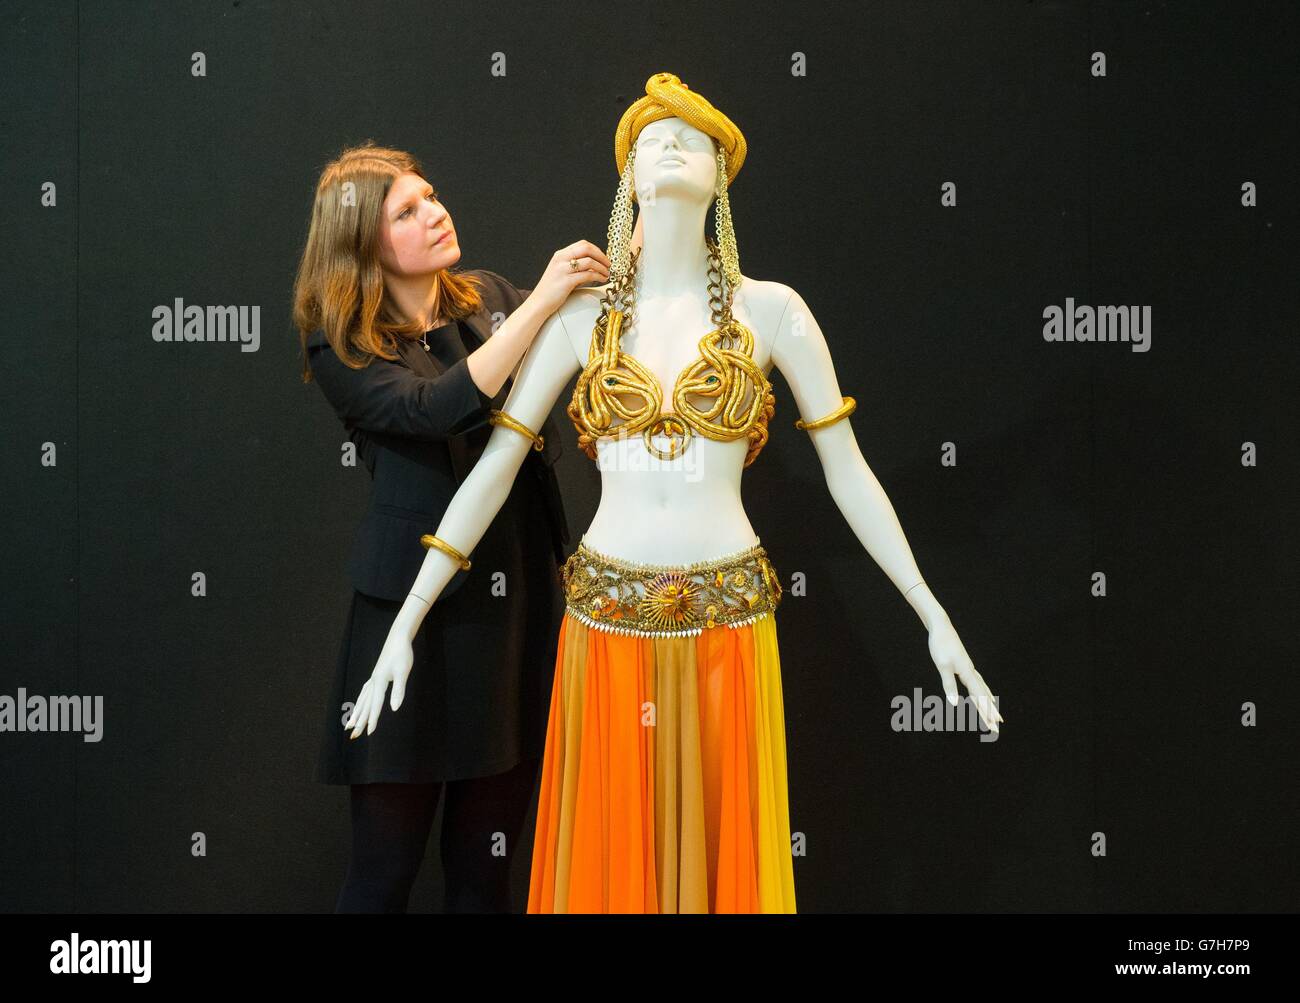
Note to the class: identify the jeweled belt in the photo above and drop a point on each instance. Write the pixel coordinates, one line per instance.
(665, 601)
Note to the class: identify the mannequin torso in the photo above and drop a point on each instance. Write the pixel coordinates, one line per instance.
(689, 508)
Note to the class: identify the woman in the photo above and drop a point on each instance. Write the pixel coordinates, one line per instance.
(404, 350)
(663, 784)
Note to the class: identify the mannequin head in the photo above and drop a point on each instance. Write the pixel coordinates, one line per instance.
(672, 144)
(667, 97)
(673, 159)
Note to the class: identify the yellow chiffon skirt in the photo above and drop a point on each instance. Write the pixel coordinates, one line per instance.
(663, 784)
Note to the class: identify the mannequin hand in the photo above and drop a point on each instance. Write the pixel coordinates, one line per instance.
(950, 658)
(559, 279)
(394, 666)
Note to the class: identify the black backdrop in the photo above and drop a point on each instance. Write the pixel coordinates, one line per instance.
(1123, 713)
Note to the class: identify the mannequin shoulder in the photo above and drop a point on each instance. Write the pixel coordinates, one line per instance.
(766, 299)
(769, 305)
(584, 301)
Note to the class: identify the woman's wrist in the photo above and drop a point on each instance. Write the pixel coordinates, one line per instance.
(533, 312)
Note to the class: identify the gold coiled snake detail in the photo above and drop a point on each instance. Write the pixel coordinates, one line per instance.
(723, 395)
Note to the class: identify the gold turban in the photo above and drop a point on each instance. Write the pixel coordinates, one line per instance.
(668, 97)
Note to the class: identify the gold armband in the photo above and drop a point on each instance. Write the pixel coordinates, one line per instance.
(430, 542)
(843, 411)
(501, 418)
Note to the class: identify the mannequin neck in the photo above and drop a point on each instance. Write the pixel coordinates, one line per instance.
(674, 258)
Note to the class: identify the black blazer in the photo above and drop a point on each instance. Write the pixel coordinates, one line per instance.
(409, 419)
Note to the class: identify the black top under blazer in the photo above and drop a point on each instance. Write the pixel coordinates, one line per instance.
(407, 418)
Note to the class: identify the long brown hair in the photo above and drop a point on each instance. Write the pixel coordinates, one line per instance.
(340, 284)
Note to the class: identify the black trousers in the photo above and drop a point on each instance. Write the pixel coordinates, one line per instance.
(481, 827)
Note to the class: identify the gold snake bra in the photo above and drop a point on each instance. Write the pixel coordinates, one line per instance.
(723, 395)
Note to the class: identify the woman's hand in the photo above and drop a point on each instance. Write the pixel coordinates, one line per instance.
(951, 660)
(394, 666)
(560, 277)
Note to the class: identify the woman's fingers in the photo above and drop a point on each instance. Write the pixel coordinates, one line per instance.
(589, 276)
(586, 249)
(590, 273)
(585, 264)
(582, 263)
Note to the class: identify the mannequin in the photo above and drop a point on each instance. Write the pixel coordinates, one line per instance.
(687, 509)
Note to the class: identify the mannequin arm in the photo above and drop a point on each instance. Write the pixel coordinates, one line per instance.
(548, 366)
(800, 352)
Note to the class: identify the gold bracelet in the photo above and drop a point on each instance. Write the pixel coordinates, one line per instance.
(501, 418)
(431, 542)
(843, 411)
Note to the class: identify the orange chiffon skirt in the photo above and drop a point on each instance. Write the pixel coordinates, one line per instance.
(664, 777)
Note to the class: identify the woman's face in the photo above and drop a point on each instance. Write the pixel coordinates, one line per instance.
(673, 156)
(416, 236)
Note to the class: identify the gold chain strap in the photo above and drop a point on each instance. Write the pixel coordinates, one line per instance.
(618, 238)
(723, 228)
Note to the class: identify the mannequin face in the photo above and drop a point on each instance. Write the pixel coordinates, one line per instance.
(674, 158)
(411, 222)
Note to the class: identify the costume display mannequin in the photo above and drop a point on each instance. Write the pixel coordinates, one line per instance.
(673, 403)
